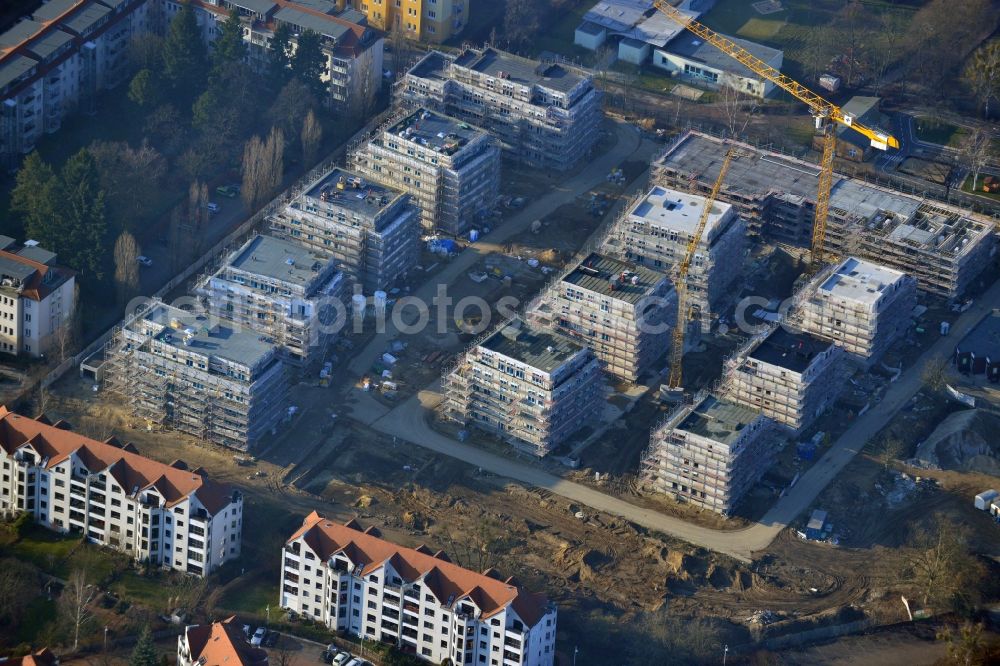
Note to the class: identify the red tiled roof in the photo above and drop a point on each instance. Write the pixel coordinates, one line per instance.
(36, 287)
(222, 644)
(129, 469)
(444, 579)
(43, 657)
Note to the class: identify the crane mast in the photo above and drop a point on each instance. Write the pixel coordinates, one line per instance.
(825, 112)
(680, 282)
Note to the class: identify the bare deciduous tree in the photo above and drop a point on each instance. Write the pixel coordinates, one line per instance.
(740, 107)
(311, 137)
(74, 603)
(976, 153)
(935, 374)
(966, 647)
(263, 167)
(888, 449)
(983, 75)
(18, 586)
(126, 267)
(939, 566)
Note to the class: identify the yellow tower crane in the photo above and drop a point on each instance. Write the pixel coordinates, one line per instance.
(826, 114)
(680, 281)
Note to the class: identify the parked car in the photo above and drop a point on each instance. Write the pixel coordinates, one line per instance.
(144, 260)
(271, 639)
(258, 636)
(213, 208)
(228, 191)
(341, 658)
(354, 662)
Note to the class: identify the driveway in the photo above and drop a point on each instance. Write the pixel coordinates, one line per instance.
(408, 422)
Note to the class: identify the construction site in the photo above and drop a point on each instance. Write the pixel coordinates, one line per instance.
(621, 311)
(175, 369)
(450, 168)
(546, 115)
(370, 230)
(942, 246)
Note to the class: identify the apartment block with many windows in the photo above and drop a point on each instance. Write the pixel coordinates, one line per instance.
(351, 580)
(37, 299)
(623, 312)
(217, 644)
(709, 453)
(545, 114)
(168, 515)
(449, 168)
(282, 290)
(432, 21)
(532, 387)
(371, 230)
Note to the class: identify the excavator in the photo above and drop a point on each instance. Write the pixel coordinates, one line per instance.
(827, 116)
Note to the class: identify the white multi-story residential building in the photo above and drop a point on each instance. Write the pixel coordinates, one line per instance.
(372, 231)
(656, 231)
(451, 169)
(532, 387)
(54, 62)
(36, 299)
(353, 50)
(709, 453)
(622, 311)
(167, 515)
(545, 114)
(217, 644)
(790, 377)
(354, 581)
(280, 289)
(858, 305)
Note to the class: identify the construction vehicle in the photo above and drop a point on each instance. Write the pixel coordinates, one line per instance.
(827, 114)
(680, 281)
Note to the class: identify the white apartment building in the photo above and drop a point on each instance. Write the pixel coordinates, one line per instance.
(527, 385)
(656, 231)
(352, 580)
(36, 298)
(217, 644)
(353, 50)
(168, 515)
(790, 377)
(858, 305)
(709, 453)
(545, 114)
(621, 311)
(53, 63)
(449, 168)
(372, 231)
(282, 290)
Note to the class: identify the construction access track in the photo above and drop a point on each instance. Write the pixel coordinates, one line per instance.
(408, 422)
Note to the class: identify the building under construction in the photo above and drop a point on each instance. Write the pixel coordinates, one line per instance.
(622, 311)
(942, 246)
(545, 114)
(451, 169)
(372, 231)
(858, 305)
(790, 377)
(282, 291)
(709, 453)
(656, 232)
(215, 383)
(529, 386)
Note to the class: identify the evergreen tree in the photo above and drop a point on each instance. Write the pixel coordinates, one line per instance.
(309, 62)
(33, 195)
(80, 209)
(185, 58)
(279, 61)
(144, 90)
(229, 46)
(144, 652)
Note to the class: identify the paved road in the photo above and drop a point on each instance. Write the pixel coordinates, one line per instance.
(408, 421)
(628, 141)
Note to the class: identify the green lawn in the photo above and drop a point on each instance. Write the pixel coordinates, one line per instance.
(151, 591)
(251, 595)
(937, 131)
(46, 550)
(558, 36)
(37, 615)
(967, 187)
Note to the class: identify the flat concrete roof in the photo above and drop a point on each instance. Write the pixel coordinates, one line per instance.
(589, 28)
(984, 339)
(678, 211)
(278, 259)
(860, 281)
(82, 21)
(442, 134)
(516, 69)
(718, 419)
(691, 47)
(14, 269)
(256, 6)
(19, 32)
(39, 254)
(352, 192)
(243, 347)
(14, 68)
(597, 273)
(49, 43)
(792, 351)
(536, 348)
(308, 21)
